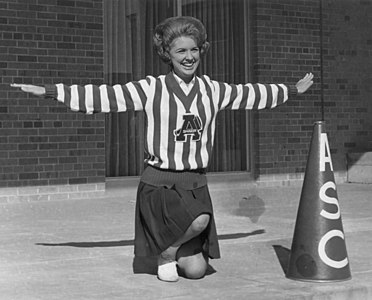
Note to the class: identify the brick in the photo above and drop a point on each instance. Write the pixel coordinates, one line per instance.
(70, 3)
(27, 176)
(38, 46)
(77, 180)
(48, 41)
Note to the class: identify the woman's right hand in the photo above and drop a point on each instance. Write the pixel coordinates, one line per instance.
(29, 88)
(305, 83)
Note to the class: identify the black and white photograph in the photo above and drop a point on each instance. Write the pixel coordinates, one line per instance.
(185, 149)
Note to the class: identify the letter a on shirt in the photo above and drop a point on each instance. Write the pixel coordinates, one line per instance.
(192, 126)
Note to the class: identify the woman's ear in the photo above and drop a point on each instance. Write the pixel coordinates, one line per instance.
(204, 48)
(166, 54)
(166, 57)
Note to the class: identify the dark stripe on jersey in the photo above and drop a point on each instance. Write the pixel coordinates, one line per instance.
(257, 97)
(96, 94)
(186, 101)
(146, 144)
(140, 92)
(207, 87)
(172, 127)
(269, 93)
(81, 95)
(128, 98)
(213, 114)
(174, 87)
(67, 100)
(222, 94)
(243, 104)
(97, 107)
(191, 95)
(112, 99)
(203, 118)
(157, 117)
(280, 95)
(233, 94)
(186, 152)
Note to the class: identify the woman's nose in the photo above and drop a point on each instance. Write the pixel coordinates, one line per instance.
(189, 55)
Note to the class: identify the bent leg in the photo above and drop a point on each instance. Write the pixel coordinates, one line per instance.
(193, 265)
(196, 228)
(192, 261)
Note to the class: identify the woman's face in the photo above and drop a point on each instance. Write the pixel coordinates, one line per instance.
(185, 57)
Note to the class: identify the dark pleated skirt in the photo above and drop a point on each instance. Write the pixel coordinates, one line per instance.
(163, 215)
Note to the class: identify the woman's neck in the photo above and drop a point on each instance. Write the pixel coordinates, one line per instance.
(186, 79)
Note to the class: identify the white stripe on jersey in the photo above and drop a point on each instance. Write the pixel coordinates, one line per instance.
(89, 99)
(74, 104)
(150, 114)
(208, 114)
(60, 92)
(285, 91)
(239, 97)
(178, 147)
(192, 154)
(227, 96)
(275, 90)
(263, 92)
(164, 127)
(120, 100)
(105, 103)
(135, 97)
(251, 96)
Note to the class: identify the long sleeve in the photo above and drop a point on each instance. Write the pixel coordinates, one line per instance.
(91, 99)
(251, 96)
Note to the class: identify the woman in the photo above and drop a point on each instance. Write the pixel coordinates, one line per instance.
(174, 214)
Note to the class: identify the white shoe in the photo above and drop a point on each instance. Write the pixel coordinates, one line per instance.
(168, 272)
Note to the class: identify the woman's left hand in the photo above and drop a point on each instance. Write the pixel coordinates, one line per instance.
(29, 88)
(303, 84)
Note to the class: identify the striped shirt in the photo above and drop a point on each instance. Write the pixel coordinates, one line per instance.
(180, 128)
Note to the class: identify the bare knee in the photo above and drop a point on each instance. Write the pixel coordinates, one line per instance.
(195, 272)
(200, 223)
(193, 267)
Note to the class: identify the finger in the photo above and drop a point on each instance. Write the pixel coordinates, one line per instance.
(304, 78)
(16, 85)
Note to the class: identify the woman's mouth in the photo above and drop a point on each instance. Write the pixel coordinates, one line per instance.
(188, 65)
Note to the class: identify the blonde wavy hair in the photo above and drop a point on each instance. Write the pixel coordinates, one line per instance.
(175, 27)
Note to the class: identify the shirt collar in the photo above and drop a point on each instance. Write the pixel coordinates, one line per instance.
(180, 81)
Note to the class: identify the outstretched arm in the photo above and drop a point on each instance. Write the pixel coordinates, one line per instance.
(91, 98)
(29, 88)
(259, 96)
(305, 83)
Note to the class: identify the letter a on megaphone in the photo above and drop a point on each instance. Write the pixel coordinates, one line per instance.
(318, 250)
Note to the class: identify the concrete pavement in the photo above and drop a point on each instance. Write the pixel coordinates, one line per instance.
(83, 248)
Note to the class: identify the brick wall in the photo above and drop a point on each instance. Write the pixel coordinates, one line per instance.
(41, 142)
(287, 47)
(287, 40)
(50, 41)
(347, 76)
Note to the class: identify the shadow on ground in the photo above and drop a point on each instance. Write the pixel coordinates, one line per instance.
(124, 243)
(146, 265)
(283, 255)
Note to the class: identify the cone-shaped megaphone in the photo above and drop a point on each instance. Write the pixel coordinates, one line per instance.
(318, 250)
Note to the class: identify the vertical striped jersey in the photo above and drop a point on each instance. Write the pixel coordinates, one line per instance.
(180, 128)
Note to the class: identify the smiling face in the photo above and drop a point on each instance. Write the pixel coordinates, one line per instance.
(185, 57)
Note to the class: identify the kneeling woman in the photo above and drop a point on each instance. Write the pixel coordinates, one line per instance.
(174, 214)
